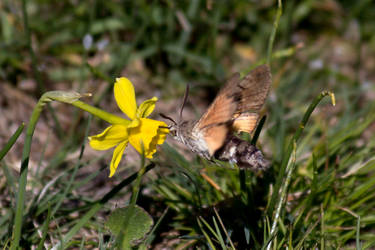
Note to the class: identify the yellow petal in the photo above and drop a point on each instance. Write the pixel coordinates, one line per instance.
(116, 158)
(146, 108)
(162, 135)
(125, 97)
(109, 138)
(158, 139)
(147, 135)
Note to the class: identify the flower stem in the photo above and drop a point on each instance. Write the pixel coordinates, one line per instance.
(125, 242)
(23, 174)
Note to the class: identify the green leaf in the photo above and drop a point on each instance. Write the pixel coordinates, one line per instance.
(130, 223)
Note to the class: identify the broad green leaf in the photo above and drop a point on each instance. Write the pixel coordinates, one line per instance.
(130, 224)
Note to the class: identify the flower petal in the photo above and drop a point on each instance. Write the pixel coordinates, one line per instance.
(125, 97)
(109, 138)
(146, 108)
(116, 158)
(147, 135)
(158, 139)
(162, 135)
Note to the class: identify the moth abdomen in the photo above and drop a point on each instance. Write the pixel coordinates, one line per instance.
(243, 153)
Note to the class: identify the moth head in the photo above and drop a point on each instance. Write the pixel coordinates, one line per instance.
(180, 130)
(172, 127)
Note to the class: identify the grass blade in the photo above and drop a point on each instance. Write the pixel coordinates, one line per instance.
(45, 229)
(11, 141)
(283, 192)
(274, 29)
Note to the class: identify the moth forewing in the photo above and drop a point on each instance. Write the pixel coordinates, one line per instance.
(215, 123)
(254, 89)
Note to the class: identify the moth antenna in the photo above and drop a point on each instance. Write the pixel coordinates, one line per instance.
(168, 118)
(184, 102)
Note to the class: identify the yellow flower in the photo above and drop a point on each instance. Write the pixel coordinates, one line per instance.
(142, 133)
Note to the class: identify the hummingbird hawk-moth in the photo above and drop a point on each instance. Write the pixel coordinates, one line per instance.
(235, 109)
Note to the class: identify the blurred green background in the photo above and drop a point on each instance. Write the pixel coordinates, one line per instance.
(162, 46)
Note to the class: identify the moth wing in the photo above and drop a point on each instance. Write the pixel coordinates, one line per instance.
(214, 124)
(246, 122)
(223, 107)
(254, 91)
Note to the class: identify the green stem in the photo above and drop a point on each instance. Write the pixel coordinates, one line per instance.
(283, 193)
(258, 130)
(125, 241)
(23, 174)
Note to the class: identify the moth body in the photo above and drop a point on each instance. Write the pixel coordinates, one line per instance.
(243, 153)
(194, 140)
